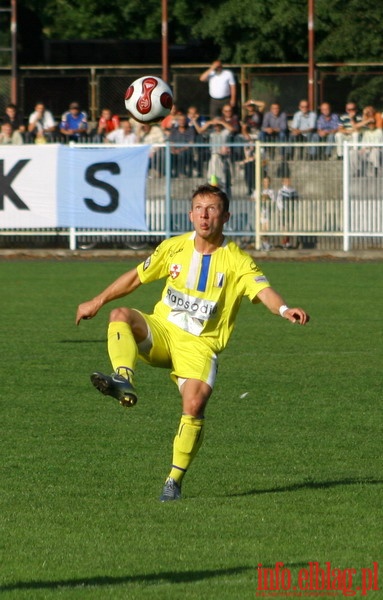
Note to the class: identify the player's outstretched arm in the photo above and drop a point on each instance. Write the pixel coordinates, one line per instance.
(276, 304)
(124, 285)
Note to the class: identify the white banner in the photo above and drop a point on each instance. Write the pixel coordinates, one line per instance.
(62, 186)
(28, 183)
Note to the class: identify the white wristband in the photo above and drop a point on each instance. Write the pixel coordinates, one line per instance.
(282, 309)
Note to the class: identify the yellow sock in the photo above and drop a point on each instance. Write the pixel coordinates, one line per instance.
(122, 346)
(186, 445)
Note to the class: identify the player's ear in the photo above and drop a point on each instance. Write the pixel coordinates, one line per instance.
(226, 217)
(191, 216)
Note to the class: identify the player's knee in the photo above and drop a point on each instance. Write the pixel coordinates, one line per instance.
(195, 406)
(120, 314)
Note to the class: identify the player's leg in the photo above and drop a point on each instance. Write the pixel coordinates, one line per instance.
(195, 395)
(194, 369)
(127, 328)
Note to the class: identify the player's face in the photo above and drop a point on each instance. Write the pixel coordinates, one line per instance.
(208, 217)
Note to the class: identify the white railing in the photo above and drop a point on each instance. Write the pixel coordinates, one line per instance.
(334, 199)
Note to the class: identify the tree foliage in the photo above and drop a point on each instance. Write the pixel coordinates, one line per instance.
(250, 31)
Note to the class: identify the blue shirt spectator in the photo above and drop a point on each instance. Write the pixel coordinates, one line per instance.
(74, 122)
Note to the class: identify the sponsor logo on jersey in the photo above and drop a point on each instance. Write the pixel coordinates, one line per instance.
(175, 270)
(196, 307)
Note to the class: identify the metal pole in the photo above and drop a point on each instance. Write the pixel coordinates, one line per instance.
(14, 51)
(311, 73)
(164, 35)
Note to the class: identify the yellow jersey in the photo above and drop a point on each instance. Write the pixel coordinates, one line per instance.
(203, 292)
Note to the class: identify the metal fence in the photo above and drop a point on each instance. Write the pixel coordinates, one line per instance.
(312, 198)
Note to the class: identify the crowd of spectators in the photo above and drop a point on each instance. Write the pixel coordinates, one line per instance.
(324, 132)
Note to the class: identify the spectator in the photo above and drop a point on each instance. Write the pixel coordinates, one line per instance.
(222, 87)
(304, 125)
(327, 126)
(74, 123)
(252, 121)
(41, 125)
(230, 120)
(14, 117)
(286, 197)
(195, 120)
(182, 136)
(123, 135)
(200, 154)
(171, 120)
(151, 133)
(371, 134)
(369, 116)
(7, 136)
(107, 122)
(350, 124)
(274, 126)
(219, 167)
(267, 198)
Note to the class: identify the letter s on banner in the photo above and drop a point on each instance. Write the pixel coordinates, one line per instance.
(109, 189)
(102, 187)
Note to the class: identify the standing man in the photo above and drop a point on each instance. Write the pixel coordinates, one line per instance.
(222, 87)
(206, 279)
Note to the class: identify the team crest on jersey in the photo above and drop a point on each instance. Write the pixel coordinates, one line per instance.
(175, 270)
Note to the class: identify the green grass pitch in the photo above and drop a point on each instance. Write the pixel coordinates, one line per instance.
(290, 470)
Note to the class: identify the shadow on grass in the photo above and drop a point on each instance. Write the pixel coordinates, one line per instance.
(310, 485)
(171, 577)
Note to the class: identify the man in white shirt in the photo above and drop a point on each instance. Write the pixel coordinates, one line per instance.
(304, 125)
(123, 135)
(222, 87)
(41, 123)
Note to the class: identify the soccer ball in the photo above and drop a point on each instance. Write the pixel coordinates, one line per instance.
(148, 99)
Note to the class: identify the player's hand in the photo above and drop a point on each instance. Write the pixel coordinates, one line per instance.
(87, 310)
(296, 315)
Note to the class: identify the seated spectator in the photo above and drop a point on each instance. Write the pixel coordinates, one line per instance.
(41, 125)
(350, 124)
(230, 120)
(74, 123)
(107, 122)
(181, 155)
(252, 121)
(14, 117)
(171, 120)
(327, 126)
(370, 115)
(274, 126)
(370, 156)
(195, 120)
(304, 125)
(123, 135)
(7, 136)
(151, 133)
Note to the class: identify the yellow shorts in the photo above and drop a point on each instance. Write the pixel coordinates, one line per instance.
(168, 346)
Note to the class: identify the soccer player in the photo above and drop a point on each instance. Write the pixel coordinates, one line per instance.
(206, 278)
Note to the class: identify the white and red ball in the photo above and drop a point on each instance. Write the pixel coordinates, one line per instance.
(148, 99)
